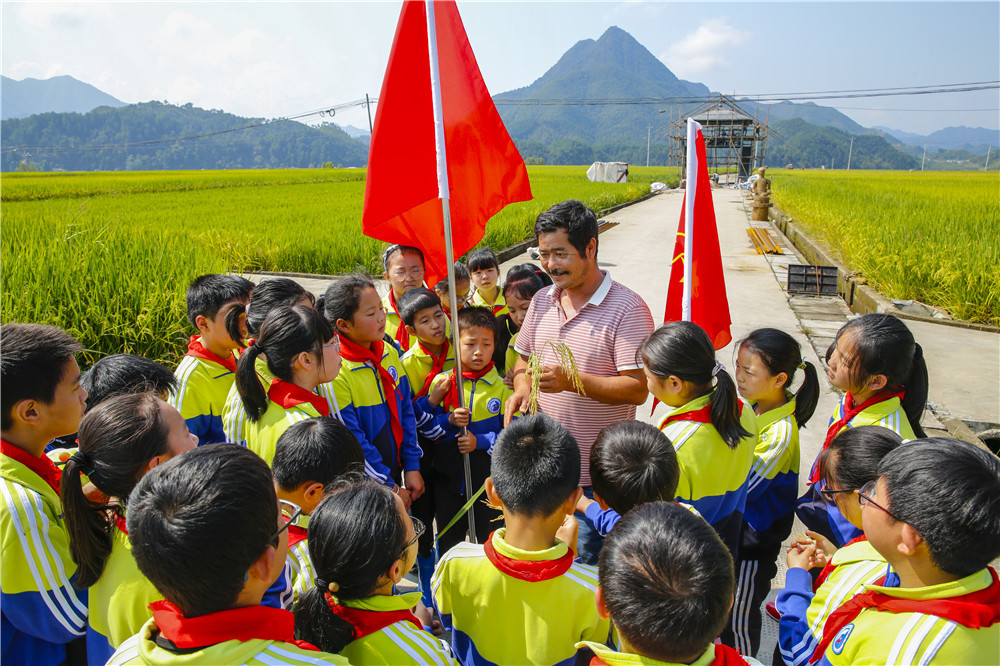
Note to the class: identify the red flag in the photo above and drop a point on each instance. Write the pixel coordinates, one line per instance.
(485, 170)
(709, 307)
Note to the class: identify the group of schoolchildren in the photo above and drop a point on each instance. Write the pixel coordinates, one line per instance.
(339, 441)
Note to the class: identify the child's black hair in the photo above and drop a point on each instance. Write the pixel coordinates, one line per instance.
(949, 492)
(573, 217)
(883, 345)
(286, 333)
(633, 463)
(781, 353)
(683, 349)
(853, 456)
(482, 259)
(320, 449)
(461, 273)
(413, 301)
(33, 360)
(117, 440)
(535, 465)
(199, 521)
(525, 280)
(208, 293)
(119, 374)
(266, 296)
(667, 581)
(393, 249)
(477, 317)
(355, 536)
(343, 297)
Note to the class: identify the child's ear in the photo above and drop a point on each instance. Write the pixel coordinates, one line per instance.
(153, 462)
(27, 412)
(410, 329)
(304, 361)
(780, 379)
(569, 506)
(600, 502)
(602, 606)
(877, 382)
(674, 383)
(491, 492)
(396, 572)
(201, 322)
(344, 326)
(312, 493)
(263, 567)
(909, 540)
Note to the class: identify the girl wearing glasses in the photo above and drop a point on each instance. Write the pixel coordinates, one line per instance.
(362, 543)
(120, 440)
(846, 466)
(301, 352)
(404, 270)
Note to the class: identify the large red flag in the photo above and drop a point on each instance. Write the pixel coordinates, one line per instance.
(485, 170)
(707, 303)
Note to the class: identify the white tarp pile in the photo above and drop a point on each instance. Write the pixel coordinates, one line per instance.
(608, 172)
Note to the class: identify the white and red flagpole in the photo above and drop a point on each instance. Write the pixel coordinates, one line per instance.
(690, 196)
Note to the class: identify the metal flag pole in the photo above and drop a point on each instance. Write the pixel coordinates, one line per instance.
(449, 251)
(690, 190)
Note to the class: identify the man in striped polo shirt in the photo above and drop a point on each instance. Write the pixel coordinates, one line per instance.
(602, 321)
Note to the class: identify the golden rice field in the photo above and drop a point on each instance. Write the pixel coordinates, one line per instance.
(927, 236)
(108, 256)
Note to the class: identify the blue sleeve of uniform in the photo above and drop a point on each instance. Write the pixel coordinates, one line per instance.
(46, 615)
(603, 519)
(208, 428)
(409, 449)
(485, 441)
(795, 640)
(374, 467)
(279, 595)
(427, 425)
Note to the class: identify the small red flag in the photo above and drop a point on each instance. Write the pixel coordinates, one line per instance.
(709, 307)
(485, 169)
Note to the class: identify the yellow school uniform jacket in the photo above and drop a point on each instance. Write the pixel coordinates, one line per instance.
(715, 654)
(499, 308)
(119, 601)
(773, 483)
(888, 414)
(881, 637)
(485, 398)
(417, 364)
(510, 359)
(299, 564)
(262, 436)
(505, 618)
(398, 643)
(200, 396)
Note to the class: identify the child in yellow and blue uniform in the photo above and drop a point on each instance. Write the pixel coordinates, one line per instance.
(485, 272)
(927, 515)
(120, 440)
(484, 396)
(846, 466)
(523, 578)
(372, 389)
(301, 351)
(212, 560)
(520, 286)
(207, 371)
(713, 432)
(665, 583)
(404, 270)
(310, 456)
(362, 543)
(880, 367)
(41, 609)
(766, 362)
(462, 295)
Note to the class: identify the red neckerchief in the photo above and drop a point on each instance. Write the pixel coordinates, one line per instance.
(724, 656)
(41, 465)
(703, 415)
(296, 534)
(287, 395)
(974, 610)
(402, 335)
(451, 400)
(529, 570)
(366, 622)
(198, 350)
(352, 351)
(437, 365)
(830, 566)
(497, 309)
(850, 411)
(120, 523)
(236, 624)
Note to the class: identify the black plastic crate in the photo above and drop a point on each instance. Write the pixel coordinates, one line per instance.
(812, 280)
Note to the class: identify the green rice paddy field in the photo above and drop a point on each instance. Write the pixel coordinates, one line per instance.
(928, 236)
(107, 256)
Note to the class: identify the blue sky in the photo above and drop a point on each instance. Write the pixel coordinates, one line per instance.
(278, 59)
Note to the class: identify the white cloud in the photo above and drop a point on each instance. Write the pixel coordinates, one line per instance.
(193, 40)
(62, 15)
(704, 49)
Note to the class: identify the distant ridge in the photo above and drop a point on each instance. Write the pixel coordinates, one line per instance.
(59, 94)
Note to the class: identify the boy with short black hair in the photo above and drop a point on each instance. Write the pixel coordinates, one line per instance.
(40, 399)
(520, 598)
(207, 372)
(462, 283)
(631, 463)
(117, 374)
(666, 582)
(484, 268)
(933, 514)
(308, 457)
(206, 531)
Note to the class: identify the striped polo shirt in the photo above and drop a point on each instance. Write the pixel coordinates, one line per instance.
(604, 336)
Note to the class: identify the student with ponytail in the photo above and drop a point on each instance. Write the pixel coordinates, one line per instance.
(522, 283)
(362, 543)
(300, 348)
(712, 430)
(766, 363)
(372, 389)
(120, 440)
(881, 369)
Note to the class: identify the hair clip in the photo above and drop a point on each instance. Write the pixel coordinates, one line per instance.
(718, 367)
